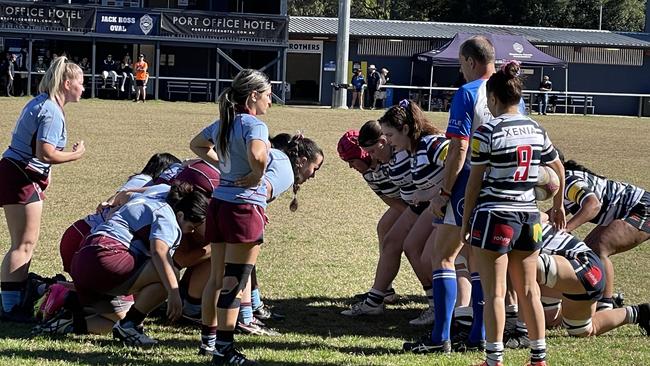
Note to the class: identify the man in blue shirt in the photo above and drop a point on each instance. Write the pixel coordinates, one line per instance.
(357, 93)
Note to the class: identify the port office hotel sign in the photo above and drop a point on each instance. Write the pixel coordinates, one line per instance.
(237, 28)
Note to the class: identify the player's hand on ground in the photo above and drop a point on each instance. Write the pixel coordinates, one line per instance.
(174, 305)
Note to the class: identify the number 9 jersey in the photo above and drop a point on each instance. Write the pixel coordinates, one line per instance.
(512, 147)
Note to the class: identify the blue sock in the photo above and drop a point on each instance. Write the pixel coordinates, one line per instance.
(245, 312)
(477, 333)
(444, 296)
(256, 300)
(10, 299)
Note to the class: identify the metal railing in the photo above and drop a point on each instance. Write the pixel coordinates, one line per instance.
(566, 95)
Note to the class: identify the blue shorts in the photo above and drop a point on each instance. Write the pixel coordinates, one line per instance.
(591, 273)
(454, 209)
(504, 231)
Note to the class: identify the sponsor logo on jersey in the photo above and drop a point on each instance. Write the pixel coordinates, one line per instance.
(476, 234)
(476, 147)
(502, 235)
(537, 232)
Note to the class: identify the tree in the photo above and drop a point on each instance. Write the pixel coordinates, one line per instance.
(618, 15)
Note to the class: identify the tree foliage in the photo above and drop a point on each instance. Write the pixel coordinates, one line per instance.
(618, 15)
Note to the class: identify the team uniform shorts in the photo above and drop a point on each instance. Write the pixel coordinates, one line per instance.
(591, 273)
(71, 241)
(504, 231)
(19, 184)
(639, 216)
(104, 269)
(139, 82)
(454, 209)
(233, 223)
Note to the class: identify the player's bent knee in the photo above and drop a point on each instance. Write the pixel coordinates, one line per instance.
(234, 281)
(460, 263)
(578, 328)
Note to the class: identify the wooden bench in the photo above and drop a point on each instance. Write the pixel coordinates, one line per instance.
(586, 103)
(189, 87)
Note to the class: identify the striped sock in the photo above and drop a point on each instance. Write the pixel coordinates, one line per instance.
(606, 303)
(520, 326)
(631, 314)
(208, 335)
(477, 332)
(512, 311)
(537, 350)
(375, 298)
(464, 315)
(224, 339)
(493, 353)
(444, 294)
(428, 290)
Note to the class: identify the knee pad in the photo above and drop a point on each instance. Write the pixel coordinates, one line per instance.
(546, 270)
(551, 303)
(577, 328)
(461, 264)
(234, 281)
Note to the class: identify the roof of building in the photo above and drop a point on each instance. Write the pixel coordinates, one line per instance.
(435, 30)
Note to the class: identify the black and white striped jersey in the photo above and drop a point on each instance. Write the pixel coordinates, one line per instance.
(379, 181)
(399, 171)
(561, 243)
(512, 147)
(428, 162)
(616, 198)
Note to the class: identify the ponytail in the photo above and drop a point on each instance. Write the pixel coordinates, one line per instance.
(235, 98)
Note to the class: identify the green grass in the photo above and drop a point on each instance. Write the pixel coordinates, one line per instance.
(315, 258)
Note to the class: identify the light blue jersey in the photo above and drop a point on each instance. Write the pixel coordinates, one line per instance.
(140, 221)
(158, 192)
(279, 173)
(41, 120)
(135, 181)
(245, 129)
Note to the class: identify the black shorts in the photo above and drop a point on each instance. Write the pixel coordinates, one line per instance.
(591, 273)
(504, 231)
(139, 82)
(639, 216)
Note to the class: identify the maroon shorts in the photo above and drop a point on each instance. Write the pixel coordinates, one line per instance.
(103, 268)
(19, 184)
(234, 222)
(71, 241)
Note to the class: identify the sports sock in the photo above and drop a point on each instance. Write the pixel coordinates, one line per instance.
(134, 316)
(464, 315)
(11, 293)
(494, 353)
(256, 299)
(477, 332)
(245, 313)
(538, 350)
(375, 298)
(224, 339)
(521, 327)
(208, 336)
(606, 303)
(631, 314)
(444, 295)
(512, 311)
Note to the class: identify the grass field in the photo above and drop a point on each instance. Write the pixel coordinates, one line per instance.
(315, 258)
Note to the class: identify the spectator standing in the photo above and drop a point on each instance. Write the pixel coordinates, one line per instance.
(357, 93)
(545, 86)
(380, 94)
(109, 68)
(141, 76)
(373, 83)
(11, 73)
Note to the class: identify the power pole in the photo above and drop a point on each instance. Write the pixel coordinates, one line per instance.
(600, 18)
(342, 53)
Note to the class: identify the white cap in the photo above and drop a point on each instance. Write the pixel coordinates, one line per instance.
(372, 67)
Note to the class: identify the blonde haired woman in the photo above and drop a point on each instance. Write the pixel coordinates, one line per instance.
(37, 142)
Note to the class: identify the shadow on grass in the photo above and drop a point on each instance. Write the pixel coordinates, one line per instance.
(92, 358)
